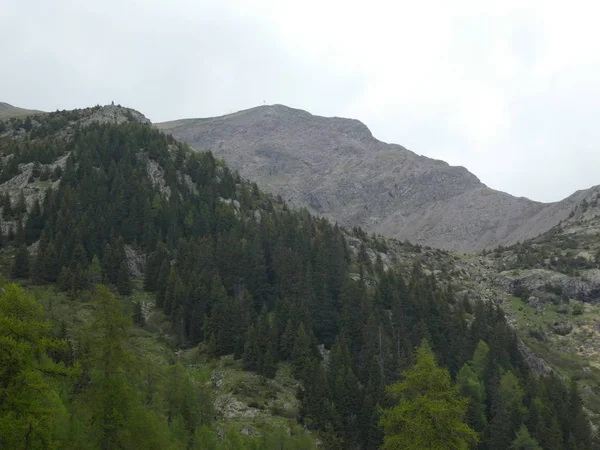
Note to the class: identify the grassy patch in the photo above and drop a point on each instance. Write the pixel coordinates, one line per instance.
(574, 355)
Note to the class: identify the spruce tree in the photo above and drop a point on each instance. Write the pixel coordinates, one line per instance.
(20, 267)
(123, 280)
(524, 441)
(251, 356)
(269, 363)
(95, 271)
(509, 413)
(301, 354)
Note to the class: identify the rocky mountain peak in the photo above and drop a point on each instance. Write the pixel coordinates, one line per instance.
(114, 113)
(336, 168)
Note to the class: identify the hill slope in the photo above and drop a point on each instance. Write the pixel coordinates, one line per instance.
(337, 169)
(232, 279)
(8, 111)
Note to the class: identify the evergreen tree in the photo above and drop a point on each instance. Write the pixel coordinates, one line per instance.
(269, 363)
(524, 441)
(50, 264)
(470, 380)
(509, 413)
(123, 280)
(95, 271)
(20, 268)
(301, 354)
(579, 425)
(138, 314)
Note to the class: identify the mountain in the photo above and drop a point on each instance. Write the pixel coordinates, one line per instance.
(337, 169)
(253, 324)
(7, 111)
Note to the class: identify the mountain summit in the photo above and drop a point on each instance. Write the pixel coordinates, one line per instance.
(336, 168)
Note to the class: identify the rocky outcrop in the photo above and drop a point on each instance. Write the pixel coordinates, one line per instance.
(114, 114)
(156, 174)
(550, 286)
(537, 364)
(136, 262)
(336, 168)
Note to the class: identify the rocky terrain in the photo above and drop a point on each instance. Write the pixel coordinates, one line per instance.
(549, 285)
(336, 168)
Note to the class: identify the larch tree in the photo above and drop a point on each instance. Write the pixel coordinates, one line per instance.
(429, 412)
(30, 408)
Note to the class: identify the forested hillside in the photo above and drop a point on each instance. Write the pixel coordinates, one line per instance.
(110, 215)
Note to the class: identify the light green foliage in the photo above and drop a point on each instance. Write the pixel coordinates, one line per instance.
(187, 402)
(95, 271)
(509, 414)
(470, 380)
(480, 357)
(30, 408)
(524, 441)
(429, 413)
(110, 412)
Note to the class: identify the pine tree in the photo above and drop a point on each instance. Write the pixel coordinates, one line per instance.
(95, 271)
(123, 280)
(251, 356)
(51, 265)
(161, 285)
(269, 363)
(20, 267)
(470, 380)
(138, 314)
(301, 354)
(345, 391)
(580, 432)
(21, 207)
(65, 280)
(509, 413)
(429, 413)
(286, 344)
(524, 441)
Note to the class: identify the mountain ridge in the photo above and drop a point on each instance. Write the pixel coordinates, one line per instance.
(7, 111)
(338, 169)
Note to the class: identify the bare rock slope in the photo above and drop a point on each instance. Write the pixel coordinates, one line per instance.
(336, 168)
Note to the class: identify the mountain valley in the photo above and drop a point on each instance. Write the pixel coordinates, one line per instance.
(281, 327)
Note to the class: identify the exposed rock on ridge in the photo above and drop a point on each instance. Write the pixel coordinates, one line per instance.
(337, 169)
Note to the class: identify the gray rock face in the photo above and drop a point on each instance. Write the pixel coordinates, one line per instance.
(337, 169)
(584, 288)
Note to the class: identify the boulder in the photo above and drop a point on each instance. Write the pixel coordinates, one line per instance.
(561, 328)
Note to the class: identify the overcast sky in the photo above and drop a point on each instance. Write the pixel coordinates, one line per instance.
(510, 90)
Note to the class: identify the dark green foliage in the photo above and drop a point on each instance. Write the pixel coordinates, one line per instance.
(138, 315)
(123, 280)
(20, 267)
(269, 289)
